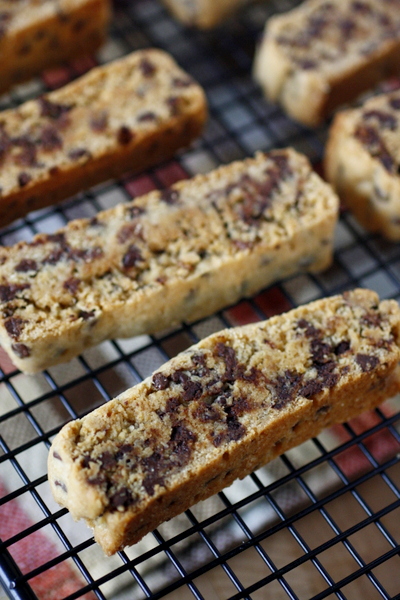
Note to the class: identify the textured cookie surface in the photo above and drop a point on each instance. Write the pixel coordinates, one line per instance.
(324, 53)
(124, 116)
(203, 13)
(362, 161)
(221, 409)
(35, 35)
(182, 253)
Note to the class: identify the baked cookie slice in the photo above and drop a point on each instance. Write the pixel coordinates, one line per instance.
(203, 14)
(326, 52)
(125, 116)
(37, 35)
(362, 161)
(170, 255)
(220, 410)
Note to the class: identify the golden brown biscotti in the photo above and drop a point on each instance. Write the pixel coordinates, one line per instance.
(170, 255)
(220, 410)
(326, 52)
(204, 14)
(362, 161)
(35, 35)
(125, 116)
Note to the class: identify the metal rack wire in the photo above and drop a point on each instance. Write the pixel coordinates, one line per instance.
(320, 522)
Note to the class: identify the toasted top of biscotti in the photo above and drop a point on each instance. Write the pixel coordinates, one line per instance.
(106, 109)
(334, 36)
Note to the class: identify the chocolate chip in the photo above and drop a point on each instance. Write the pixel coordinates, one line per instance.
(25, 265)
(122, 498)
(99, 121)
(107, 460)
(309, 329)
(24, 179)
(124, 135)
(147, 68)
(77, 153)
(52, 109)
(86, 314)
(14, 326)
(170, 196)
(174, 103)
(182, 82)
(56, 455)
(366, 362)
(71, 285)
(192, 390)
(131, 257)
(61, 485)
(9, 292)
(160, 382)
(49, 139)
(384, 119)
(395, 103)
(149, 115)
(21, 350)
(342, 347)
(285, 388)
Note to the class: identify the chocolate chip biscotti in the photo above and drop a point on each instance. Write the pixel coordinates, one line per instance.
(177, 254)
(220, 410)
(326, 52)
(124, 116)
(35, 35)
(203, 13)
(362, 161)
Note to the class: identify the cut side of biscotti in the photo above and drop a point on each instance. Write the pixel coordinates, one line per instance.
(38, 35)
(220, 410)
(171, 255)
(125, 116)
(325, 53)
(203, 14)
(362, 162)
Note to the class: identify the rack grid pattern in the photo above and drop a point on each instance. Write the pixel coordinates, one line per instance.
(323, 520)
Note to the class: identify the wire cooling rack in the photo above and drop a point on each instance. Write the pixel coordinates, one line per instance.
(322, 521)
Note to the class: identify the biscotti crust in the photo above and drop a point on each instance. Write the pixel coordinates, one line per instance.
(323, 54)
(38, 35)
(125, 116)
(203, 14)
(362, 159)
(221, 409)
(177, 254)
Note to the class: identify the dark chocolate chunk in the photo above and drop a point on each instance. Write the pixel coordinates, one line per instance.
(285, 388)
(310, 330)
(52, 109)
(342, 347)
(10, 291)
(107, 460)
(149, 115)
(71, 285)
(366, 362)
(124, 135)
(23, 179)
(131, 257)
(14, 326)
(170, 196)
(160, 382)
(25, 265)
(21, 350)
(395, 103)
(384, 119)
(122, 498)
(86, 314)
(147, 68)
(49, 139)
(77, 153)
(98, 122)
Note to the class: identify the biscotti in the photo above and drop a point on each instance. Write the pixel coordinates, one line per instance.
(171, 255)
(362, 161)
(204, 14)
(124, 116)
(37, 35)
(220, 410)
(325, 53)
